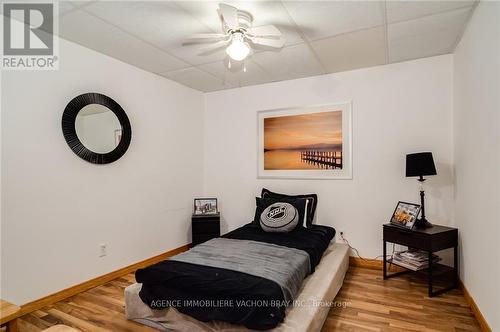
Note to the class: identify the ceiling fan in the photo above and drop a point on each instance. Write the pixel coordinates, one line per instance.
(239, 38)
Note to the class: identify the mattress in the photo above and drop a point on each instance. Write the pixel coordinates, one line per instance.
(247, 277)
(308, 313)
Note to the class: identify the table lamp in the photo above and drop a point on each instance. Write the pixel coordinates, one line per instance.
(419, 165)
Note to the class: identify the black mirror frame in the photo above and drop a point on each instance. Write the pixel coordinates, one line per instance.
(69, 130)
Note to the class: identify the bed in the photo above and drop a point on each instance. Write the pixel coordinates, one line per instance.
(247, 279)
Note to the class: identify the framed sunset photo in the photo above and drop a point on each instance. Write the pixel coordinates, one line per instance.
(305, 143)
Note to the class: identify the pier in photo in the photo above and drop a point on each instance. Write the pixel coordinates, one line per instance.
(323, 159)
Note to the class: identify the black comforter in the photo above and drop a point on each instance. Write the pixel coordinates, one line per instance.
(209, 293)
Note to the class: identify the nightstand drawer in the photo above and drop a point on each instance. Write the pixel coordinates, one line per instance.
(430, 239)
(406, 238)
(206, 226)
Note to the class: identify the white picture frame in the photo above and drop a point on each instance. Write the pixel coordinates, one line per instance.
(345, 173)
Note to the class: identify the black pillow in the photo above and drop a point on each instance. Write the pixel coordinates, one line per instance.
(280, 215)
(311, 206)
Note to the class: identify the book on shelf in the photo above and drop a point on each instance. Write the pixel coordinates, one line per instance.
(414, 260)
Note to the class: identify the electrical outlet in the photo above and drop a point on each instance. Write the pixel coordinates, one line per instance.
(103, 250)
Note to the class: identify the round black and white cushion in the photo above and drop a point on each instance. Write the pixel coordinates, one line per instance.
(279, 217)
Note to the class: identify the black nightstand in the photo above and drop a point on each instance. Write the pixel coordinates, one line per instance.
(205, 227)
(431, 240)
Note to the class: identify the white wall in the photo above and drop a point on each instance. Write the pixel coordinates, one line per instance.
(1, 196)
(477, 157)
(397, 109)
(58, 208)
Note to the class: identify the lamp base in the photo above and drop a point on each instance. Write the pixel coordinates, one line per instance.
(422, 224)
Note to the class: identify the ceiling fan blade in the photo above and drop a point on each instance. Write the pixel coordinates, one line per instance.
(214, 48)
(229, 15)
(264, 31)
(266, 42)
(205, 38)
(208, 36)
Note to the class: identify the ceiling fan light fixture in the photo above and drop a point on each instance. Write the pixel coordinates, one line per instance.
(239, 49)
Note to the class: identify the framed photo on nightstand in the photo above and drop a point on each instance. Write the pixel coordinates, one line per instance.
(205, 206)
(405, 214)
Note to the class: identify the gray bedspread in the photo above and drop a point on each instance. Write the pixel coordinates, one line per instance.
(286, 266)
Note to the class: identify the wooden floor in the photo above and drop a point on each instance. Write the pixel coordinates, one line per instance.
(397, 304)
(365, 303)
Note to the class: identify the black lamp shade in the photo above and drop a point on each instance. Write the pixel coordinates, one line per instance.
(420, 164)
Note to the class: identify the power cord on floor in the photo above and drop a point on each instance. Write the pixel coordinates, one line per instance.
(362, 258)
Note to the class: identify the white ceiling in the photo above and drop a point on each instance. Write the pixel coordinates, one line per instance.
(321, 36)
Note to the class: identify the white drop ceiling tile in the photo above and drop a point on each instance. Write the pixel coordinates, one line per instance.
(408, 10)
(321, 19)
(91, 32)
(291, 62)
(420, 47)
(81, 3)
(161, 23)
(263, 13)
(453, 20)
(195, 78)
(254, 74)
(65, 7)
(353, 50)
(426, 36)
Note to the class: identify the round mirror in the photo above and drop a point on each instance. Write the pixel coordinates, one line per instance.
(96, 128)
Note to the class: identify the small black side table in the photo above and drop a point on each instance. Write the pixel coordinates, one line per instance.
(431, 240)
(205, 227)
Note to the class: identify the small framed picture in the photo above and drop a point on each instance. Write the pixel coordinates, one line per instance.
(405, 214)
(205, 206)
